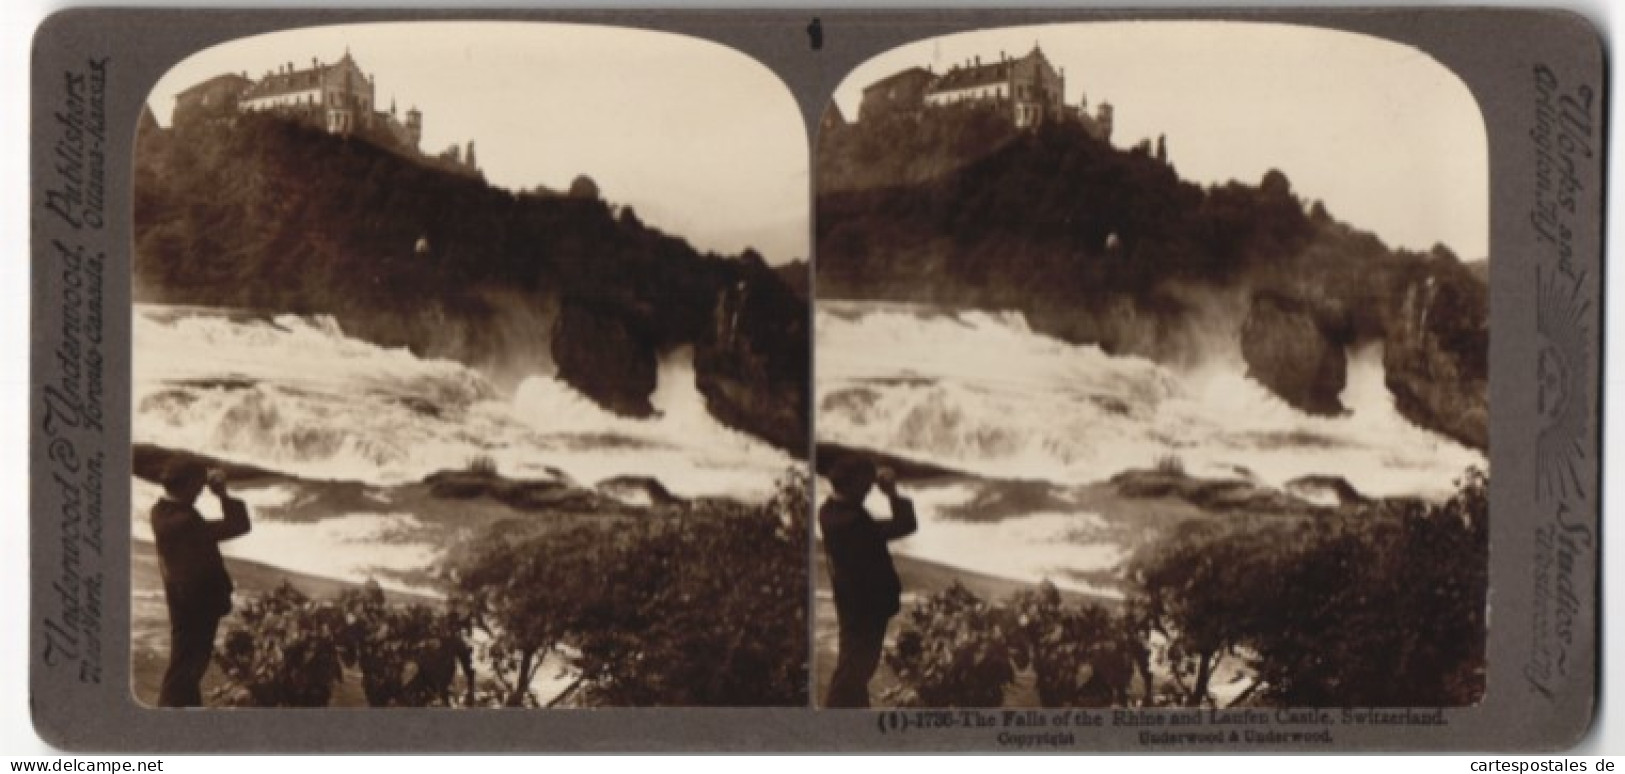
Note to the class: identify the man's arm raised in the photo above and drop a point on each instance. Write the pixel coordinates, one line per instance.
(902, 522)
(235, 524)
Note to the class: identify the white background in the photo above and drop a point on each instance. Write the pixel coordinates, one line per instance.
(20, 17)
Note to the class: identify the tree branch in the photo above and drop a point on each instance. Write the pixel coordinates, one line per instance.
(1247, 694)
(568, 690)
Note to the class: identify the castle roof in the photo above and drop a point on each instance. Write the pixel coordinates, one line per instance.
(222, 82)
(290, 80)
(972, 76)
(286, 82)
(901, 75)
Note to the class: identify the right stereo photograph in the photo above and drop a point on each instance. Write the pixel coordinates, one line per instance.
(1151, 370)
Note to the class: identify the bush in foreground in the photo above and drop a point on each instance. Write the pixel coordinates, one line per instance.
(699, 606)
(1378, 606)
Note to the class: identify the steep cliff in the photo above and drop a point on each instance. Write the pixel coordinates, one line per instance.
(743, 369)
(1435, 364)
(1288, 351)
(603, 357)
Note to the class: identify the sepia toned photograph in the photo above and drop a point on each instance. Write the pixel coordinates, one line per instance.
(1152, 372)
(470, 369)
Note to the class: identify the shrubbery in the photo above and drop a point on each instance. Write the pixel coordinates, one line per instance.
(704, 606)
(1380, 606)
(956, 650)
(287, 650)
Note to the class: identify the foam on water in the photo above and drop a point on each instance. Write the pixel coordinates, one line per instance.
(1054, 546)
(981, 392)
(351, 547)
(295, 394)
(683, 445)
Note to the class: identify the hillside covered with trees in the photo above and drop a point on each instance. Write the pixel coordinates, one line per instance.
(265, 213)
(1100, 245)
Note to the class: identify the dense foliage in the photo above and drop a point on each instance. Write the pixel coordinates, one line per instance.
(1081, 655)
(269, 213)
(287, 650)
(956, 650)
(958, 206)
(1386, 612)
(706, 607)
(701, 606)
(1383, 605)
(953, 652)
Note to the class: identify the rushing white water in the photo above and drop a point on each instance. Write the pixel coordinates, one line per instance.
(351, 547)
(981, 393)
(1058, 546)
(295, 394)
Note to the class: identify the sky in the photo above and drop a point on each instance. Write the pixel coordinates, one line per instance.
(702, 141)
(1389, 139)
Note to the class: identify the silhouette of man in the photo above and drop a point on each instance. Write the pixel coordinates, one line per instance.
(867, 590)
(196, 585)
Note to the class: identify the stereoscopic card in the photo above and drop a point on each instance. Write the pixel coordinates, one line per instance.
(835, 380)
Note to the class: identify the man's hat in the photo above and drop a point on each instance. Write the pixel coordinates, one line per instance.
(852, 474)
(183, 476)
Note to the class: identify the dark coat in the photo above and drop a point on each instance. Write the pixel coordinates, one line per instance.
(860, 565)
(195, 578)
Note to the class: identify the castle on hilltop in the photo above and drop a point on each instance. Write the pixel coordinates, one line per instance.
(338, 97)
(1028, 89)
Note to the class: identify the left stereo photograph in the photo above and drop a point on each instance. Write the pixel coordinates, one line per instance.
(470, 369)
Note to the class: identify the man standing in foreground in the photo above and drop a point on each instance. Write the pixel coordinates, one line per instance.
(196, 584)
(867, 590)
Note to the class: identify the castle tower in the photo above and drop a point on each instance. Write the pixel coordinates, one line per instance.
(414, 125)
(369, 102)
(468, 156)
(1103, 118)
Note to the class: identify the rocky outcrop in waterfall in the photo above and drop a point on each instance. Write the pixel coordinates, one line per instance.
(1435, 362)
(600, 355)
(1288, 351)
(747, 380)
